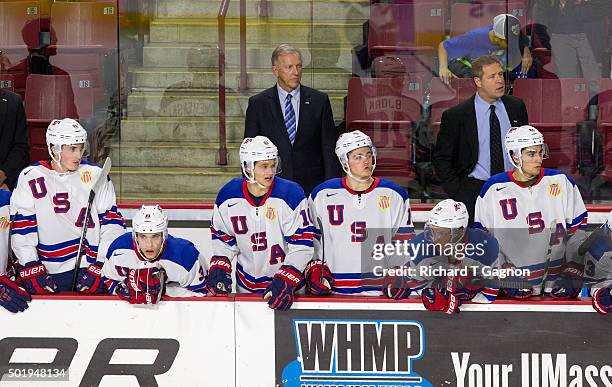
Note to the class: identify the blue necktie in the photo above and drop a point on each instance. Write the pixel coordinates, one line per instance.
(290, 119)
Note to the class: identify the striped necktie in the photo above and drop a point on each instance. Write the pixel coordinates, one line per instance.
(290, 119)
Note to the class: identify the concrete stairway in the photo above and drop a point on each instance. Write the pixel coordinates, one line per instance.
(169, 138)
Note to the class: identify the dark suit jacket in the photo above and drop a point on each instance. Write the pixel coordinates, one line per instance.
(456, 151)
(312, 158)
(14, 148)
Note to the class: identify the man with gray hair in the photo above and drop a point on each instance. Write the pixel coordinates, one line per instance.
(298, 120)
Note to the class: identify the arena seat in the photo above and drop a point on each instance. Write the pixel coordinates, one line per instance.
(443, 96)
(402, 65)
(14, 15)
(7, 82)
(604, 121)
(406, 27)
(86, 38)
(554, 107)
(385, 109)
(468, 16)
(48, 97)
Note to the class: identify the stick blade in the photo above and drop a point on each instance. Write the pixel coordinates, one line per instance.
(103, 175)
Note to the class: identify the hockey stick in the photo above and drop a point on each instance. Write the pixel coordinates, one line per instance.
(99, 183)
(12, 259)
(163, 278)
(320, 225)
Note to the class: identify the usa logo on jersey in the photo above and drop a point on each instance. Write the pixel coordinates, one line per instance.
(86, 177)
(554, 189)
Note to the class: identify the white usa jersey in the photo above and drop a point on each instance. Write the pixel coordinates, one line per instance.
(262, 238)
(534, 224)
(180, 259)
(48, 211)
(352, 222)
(5, 199)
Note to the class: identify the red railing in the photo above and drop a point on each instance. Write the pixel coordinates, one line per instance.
(242, 86)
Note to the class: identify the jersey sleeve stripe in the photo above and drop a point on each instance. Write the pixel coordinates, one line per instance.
(23, 225)
(223, 237)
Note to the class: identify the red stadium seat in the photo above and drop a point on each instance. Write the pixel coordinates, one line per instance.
(86, 35)
(7, 82)
(406, 27)
(403, 65)
(469, 16)
(604, 120)
(443, 96)
(13, 17)
(47, 97)
(85, 24)
(554, 107)
(385, 109)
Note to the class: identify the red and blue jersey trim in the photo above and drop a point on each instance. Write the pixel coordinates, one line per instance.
(223, 237)
(23, 225)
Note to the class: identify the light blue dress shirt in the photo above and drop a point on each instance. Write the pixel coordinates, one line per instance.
(482, 170)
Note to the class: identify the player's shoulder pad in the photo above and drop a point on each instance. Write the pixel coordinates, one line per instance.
(181, 251)
(486, 242)
(5, 197)
(384, 183)
(503, 177)
(33, 167)
(231, 190)
(556, 172)
(335, 183)
(122, 242)
(288, 191)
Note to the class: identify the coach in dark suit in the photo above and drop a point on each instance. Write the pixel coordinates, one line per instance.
(470, 146)
(298, 120)
(14, 148)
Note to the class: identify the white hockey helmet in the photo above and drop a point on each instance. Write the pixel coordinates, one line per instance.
(64, 132)
(255, 149)
(348, 142)
(521, 137)
(150, 220)
(448, 214)
(506, 22)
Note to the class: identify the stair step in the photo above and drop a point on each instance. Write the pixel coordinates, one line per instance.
(180, 130)
(155, 103)
(208, 78)
(188, 55)
(262, 31)
(283, 9)
(168, 154)
(156, 181)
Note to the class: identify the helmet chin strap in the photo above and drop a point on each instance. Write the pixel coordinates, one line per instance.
(347, 169)
(251, 179)
(58, 161)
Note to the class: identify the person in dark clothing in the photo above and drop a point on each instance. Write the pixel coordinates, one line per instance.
(14, 148)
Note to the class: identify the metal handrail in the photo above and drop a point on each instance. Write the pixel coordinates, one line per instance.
(242, 86)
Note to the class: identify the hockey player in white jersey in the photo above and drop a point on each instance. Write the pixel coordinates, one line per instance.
(445, 262)
(355, 212)
(139, 264)
(48, 209)
(597, 250)
(536, 214)
(12, 297)
(262, 221)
